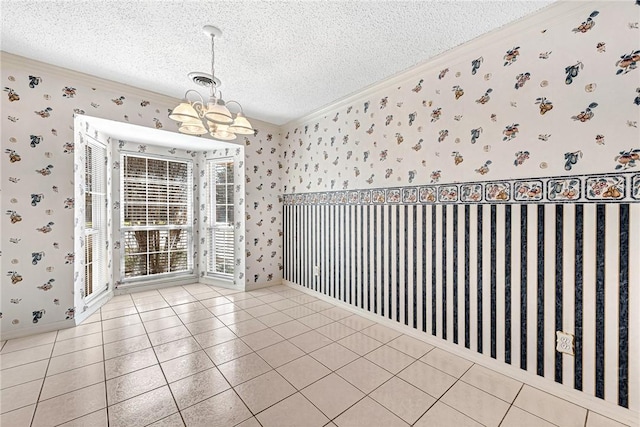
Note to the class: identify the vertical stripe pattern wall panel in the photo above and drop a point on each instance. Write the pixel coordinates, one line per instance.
(497, 279)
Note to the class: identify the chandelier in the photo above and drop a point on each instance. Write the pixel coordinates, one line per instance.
(198, 118)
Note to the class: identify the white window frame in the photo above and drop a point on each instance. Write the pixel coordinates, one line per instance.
(96, 282)
(214, 227)
(188, 226)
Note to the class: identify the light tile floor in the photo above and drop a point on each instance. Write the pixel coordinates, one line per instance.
(198, 355)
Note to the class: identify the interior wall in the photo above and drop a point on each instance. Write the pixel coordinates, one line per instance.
(37, 137)
(423, 189)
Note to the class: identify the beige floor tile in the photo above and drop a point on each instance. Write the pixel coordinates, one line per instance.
(184, 308)
(119, 312)
(129, 345)
(261, 339)
(227, 351)
(476, 404)
(367, 413)
(216, 336)
(291, 329)
(310, 341)
(244, 368)
(75, 379)
(303, 371)
(251, 422)
(216, 301)
(167, 335)
(596, 420)
(79, 331)
(234, 317)
(157, 314)
(222, 410)
(19, 417)
(271, 298)
(274, 319)
(16, 397)
(492, 382)
(129, 363)
(70, 406)
(356, 322)
(315, 320)
(151, 305)
(135, 383)
(318, 305)
(18, 344)
(186, 365)
(221, 310)
(196, 315)
(334, 356)
(553, 409)
(95, 317)
(294, 411)
(94, 419)
(263, 391)
(335, 331)
(113, 335)
(174, 420)
(75, 344)
(204, 325)
(336, 313)
(360, 343)
(447, 362)
(381, 333)
(365, 375)
(247, 302)
(118, 303)
(261, 310)
(403, 399)
(180, 300)
(283, 304)
(23, 374)
(280, 353)
(120, 322)
(411, 346)
(332, 395)
(516, 417)
(298, 311)
(22, 357)
(143, 409)
(441, 415)
(427, 378)
(162, 323)
(302, 298)
(390, 359)
(196, 388)
(74, 360)
(247, 327)
(177, 348)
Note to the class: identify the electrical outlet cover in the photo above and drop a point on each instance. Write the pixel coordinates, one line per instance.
(565, 343)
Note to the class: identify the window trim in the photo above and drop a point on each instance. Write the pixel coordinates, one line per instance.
(191, 253)
(211, 226)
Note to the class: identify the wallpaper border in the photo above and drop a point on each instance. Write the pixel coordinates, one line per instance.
(594, 188)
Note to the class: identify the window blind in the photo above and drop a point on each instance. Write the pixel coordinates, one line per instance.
(221, 230)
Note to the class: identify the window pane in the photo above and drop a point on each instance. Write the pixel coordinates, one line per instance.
(178, 215)
(230, 214)
(88, 210)
(157, 169)
(135, 167)
(178, 193)
(178, 172)
(158, 215)
(157, 193)
(135, 265)
(134, 215)
(178, 261)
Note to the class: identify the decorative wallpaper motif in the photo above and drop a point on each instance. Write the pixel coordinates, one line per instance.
(574, 189)
(38, 104)
(543, 101)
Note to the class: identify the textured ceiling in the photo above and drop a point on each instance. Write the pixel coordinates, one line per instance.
(280, 59)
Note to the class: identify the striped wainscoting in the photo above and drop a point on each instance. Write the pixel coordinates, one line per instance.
(498, 279)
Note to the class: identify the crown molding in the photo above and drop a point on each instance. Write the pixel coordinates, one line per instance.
(549, 15)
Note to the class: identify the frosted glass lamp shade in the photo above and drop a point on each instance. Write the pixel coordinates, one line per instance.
(192, 127)
(183, 112)
(222, 132)
(218, 113)
(241, 125)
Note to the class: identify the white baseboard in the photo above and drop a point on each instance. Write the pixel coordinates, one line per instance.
(38, 329)
(591, 403)
(124, 289)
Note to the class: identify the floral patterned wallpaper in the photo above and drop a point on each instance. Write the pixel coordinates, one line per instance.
(37, 180)
(533, 100)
